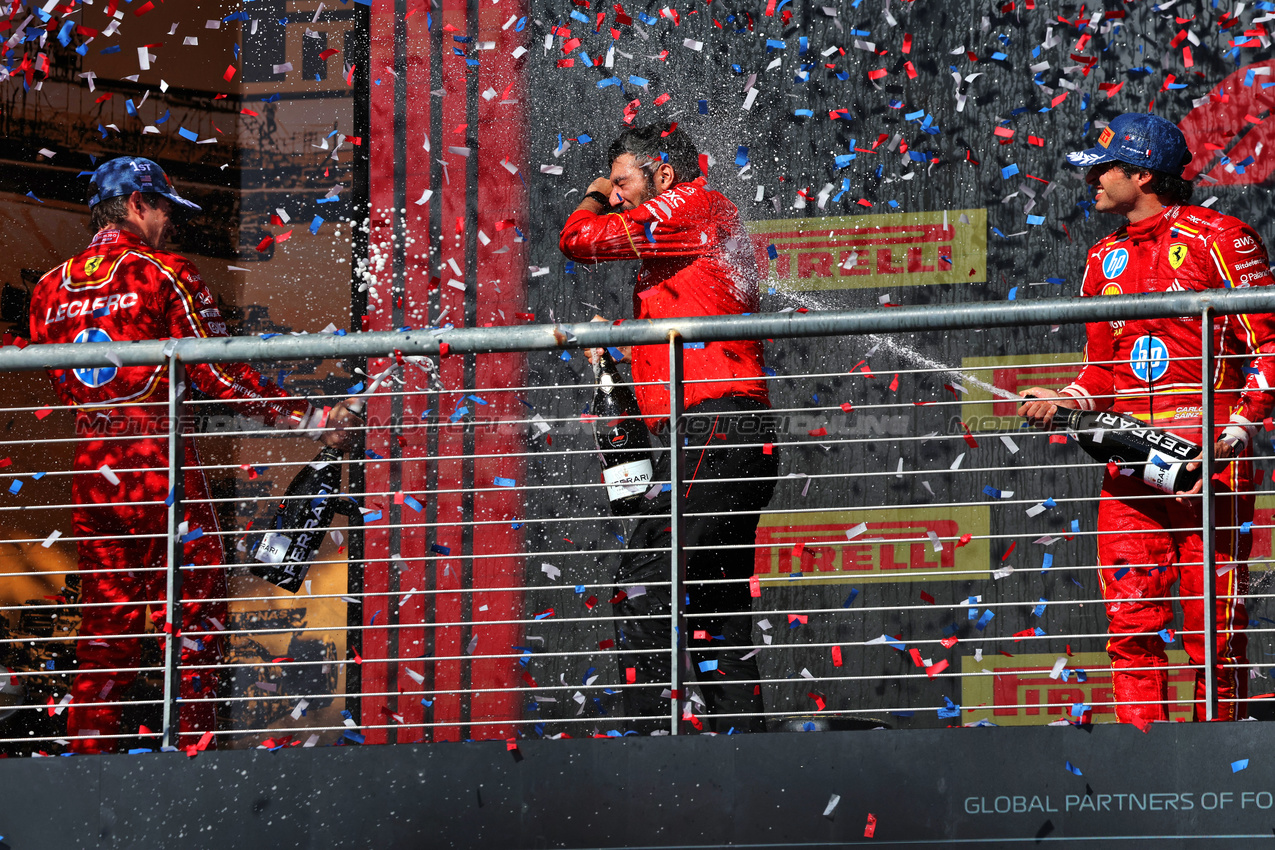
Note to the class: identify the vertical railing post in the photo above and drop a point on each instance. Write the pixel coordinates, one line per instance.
(677, 506)
(1208, 532)
(173, 585)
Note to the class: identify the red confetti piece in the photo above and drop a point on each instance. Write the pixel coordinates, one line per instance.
(836, 656)
(606, 644)
(144, 9)
(847, 406)
(630, 675)
(231, 70)
(662, 99)
(911, 69)
(877, 74)
(1058, 438)
(1012, 546)
(934, 669)
(871, 829)
(965, 538)
(894, 385)
(907, 42)
(927, 598)
(43, 412)
(768, 448)
(820, 705)
(754, 587)
(818, 432)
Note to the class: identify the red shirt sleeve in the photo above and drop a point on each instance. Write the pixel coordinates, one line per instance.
(192, 312)
(672, 224)
(1242, 261)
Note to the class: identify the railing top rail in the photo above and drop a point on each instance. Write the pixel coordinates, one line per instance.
(648, 332)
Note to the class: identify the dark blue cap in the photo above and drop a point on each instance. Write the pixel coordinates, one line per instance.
(1141, 140)
(125, 175)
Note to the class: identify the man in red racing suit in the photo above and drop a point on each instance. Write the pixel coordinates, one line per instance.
(1150, 369)
(125, 287)
(696, 260)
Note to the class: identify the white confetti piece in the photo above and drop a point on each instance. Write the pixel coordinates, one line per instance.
(550, 570)
(956, 464)
(424, 198)
(934, 541)
(51, 539)
(1058, 667)
(109, 474)
(1009, 444)
(832, 804)
(302, 705)
(852, 533)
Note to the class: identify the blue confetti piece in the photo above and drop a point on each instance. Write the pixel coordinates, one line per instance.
(1166, 636)
(1073, 769)
(316, 223)
(1237, 766)
(844, 160)
(1078, 709)
(1035, 219)
(1050, 503)
(609, 81)
(355, 736)
(440, 550)
(1246, 528)
(460, 411)
(1057, 281)
(775, 44)
(505, 482)
(356, 389)
(193, 534)
(412, 502)
(1075, 526)
(476, 399)
(371, 516)
(706, 666)
(804, 113)
(1013, 293)
(616, 354)
(1009, 171)
(187, 134)
(1046, 562)
(772, 252)
(635, 80)
(692, 345)
(999, 57)
(741, 156)
(991, 491)
(168, 500)
(854, 591)
(896, 643)
(1121, 573)
(372, 454)
(985, 619)
(1039, 610)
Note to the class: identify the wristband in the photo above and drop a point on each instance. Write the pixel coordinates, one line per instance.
(599, 197)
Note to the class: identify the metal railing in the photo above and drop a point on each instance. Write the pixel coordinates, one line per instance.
(455, 606)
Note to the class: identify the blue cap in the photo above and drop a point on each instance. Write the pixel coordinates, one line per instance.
(125, 175)
(1141, 140)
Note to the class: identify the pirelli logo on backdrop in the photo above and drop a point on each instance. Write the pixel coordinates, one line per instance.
(1263, 553)
(855, 252)
(895, 546)
(983, 411)
(1019, 692)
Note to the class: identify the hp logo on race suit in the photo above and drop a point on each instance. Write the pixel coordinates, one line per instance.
(1149, 359)
(1114, 264)
(96, 376)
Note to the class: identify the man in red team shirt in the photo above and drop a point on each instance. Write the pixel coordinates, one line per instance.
(1150, 369)
(125, 286)
(696, 260)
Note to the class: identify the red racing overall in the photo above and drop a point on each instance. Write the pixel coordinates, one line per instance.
(697, 260)
(1150, 369)
(121, 289)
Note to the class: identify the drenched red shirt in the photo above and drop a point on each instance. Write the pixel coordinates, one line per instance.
(697, 260)
(120, 288)
(1150, 368)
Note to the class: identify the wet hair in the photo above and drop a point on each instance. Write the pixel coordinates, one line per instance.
(653, 143)
(114, 211)
(1168, 186)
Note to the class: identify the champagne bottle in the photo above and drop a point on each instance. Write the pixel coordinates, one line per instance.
(1158, 457)
(284, 554)
(623, 440)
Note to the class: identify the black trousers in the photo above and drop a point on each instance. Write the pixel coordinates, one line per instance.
(711, 453)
